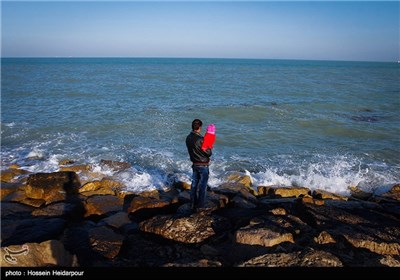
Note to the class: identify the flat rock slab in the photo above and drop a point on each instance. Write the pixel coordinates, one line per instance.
(99, 205)
(193, 229)
(304, 259)
(105, 241)
(268, 237)
(52, 187)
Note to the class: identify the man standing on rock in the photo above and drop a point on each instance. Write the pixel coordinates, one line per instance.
(201, 161)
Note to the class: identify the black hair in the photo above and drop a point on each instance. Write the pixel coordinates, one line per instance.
(196, 124)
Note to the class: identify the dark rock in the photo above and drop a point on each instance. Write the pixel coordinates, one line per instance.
(117, 220)
(14, 210)
(59, 209)
(116, 165)
(359, 194)
(199, 263)
(105, 241)
(240, 202)
(30, 230)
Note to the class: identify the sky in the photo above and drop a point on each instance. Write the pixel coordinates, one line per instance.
(356, 31)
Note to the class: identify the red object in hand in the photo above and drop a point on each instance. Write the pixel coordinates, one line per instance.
(209, 138)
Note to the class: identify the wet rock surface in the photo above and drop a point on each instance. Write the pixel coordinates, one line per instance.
(99, 223)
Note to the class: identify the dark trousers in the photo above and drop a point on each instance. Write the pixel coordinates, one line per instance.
(198, 189)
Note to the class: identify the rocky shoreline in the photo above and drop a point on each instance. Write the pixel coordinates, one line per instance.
(78, 218)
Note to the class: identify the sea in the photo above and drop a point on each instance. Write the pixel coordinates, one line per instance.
(318, 124)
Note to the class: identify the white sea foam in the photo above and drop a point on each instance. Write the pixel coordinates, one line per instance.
(36, 153)
(153, 169)
(11, 124)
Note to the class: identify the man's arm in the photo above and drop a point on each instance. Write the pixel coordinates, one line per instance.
(208, 152)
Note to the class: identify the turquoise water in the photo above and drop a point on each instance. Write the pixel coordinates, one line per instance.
(320, 124)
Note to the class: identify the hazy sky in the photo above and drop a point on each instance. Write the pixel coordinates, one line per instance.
(288, 30)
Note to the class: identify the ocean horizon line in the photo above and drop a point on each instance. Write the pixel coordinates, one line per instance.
(198, 58)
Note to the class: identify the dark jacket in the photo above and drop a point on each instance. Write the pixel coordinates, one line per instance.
(197, 155)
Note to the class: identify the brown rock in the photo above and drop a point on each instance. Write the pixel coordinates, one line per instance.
(99, 192)
(12, 175)
(359, 194)
(389, 261)
(50, 252)
(122, 194)
(290, 191)
(33, 202)
(309, 258)
(320, 259)
(99, 205)
(16, 196)
(103, 187)
(193, 229)
(115, 165)
(321, 194)
(117, 220)
(231, 190)
(199, 263)
(86, 176)
(268, 237)
(265, 190)
(66, 161)
(395, 189)
(8, 188)
(147, 202)
(279, 211)
(324, 238)
(54, 210)
(242, 180)
(274, 260)
(52, 186)
(105, 241)
(91, 186)
(311, 200)
(183, 186)
(76, 168)
(14, 166)
(152, 193)
(372, 243)
(112, 184)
